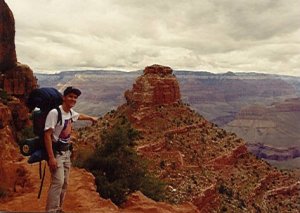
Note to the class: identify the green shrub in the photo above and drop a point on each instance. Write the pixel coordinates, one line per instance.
(225, 190)
(118, 169)
(3, 95)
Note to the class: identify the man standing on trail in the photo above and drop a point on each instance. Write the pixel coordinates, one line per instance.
(57, 143)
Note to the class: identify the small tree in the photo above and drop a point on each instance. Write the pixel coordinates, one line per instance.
(118, 169)
(3, 95)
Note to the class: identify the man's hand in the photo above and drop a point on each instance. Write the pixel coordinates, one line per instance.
(94, 120)
(88, 118)
(52, 163)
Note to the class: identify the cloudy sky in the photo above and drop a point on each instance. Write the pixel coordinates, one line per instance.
(211, 35)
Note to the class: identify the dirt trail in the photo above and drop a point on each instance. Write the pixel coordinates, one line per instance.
(81, 195)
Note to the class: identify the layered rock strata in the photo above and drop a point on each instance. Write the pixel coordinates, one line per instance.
(198, 161)
(156, 87)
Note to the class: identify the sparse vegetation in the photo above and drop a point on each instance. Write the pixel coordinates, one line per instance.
(118, 169)
(3, 95)
(225, 190)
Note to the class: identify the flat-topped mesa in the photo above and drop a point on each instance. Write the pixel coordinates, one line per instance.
(8, 57)
(158, 69)
(157, 86)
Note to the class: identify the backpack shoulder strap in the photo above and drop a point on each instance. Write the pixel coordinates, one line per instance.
(59, 116)
(71, 116)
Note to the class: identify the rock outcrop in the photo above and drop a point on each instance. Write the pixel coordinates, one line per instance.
(15, 79)
(137, 202)
(5, 116)
(16, 82)
(156, 87)
(8, 57)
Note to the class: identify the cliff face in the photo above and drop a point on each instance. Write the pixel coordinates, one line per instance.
(156, 87)
(16, 79)
(16, 82)
(8, 57)
(271, 131)
(200, 162)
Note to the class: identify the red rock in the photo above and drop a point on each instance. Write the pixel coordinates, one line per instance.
(230, 158)
(8, 56)
(208, 199)
(137, 202)
(18, 81)
(156, 87)
(158, 69)
(5, 115)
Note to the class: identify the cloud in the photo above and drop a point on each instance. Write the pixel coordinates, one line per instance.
(258, 35)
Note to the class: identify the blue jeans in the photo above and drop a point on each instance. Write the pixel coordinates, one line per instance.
(59, 182)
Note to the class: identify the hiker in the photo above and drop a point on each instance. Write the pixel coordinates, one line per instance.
(57, 143)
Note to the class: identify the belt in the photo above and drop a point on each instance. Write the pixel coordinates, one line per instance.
(61, 146)
(64, 148)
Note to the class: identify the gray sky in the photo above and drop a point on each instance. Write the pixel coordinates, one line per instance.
(211, 35)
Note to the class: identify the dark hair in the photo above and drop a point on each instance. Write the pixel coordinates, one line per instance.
(71, 89)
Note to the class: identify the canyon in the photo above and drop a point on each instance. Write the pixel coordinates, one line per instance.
(200, 162)
(19, 181)
(260, 108)
(206, 168)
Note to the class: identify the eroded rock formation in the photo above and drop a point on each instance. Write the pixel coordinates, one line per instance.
(8, 57)
(156, 87)
(200, 162)
(16, 82)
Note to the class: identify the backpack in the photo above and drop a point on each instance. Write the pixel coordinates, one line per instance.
(45, 99)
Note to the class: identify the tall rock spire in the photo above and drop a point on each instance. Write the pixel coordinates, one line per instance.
(8, 56)
(15, 79)
(157, 86)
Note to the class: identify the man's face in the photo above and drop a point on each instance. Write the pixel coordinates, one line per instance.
(70, 99)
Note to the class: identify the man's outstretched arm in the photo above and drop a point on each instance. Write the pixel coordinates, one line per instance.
(87, 118)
